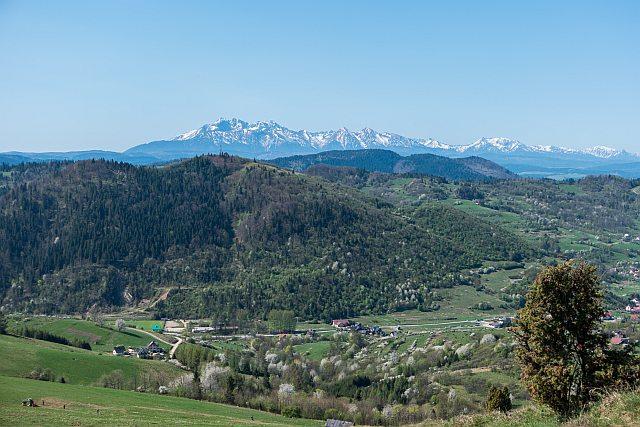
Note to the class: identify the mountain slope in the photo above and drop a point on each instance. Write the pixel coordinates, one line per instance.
(464, 169)
(228, 235)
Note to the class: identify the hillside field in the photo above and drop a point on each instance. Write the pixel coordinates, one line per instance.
(122, 408)
(22, 355)
(101, 338)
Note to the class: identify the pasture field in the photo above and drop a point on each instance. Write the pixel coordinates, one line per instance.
(144, 325)
(500, 279)
(92, 406)
(316, 350)
(21, 355)
(101, 338)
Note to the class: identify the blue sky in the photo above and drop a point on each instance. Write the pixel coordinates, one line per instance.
(110, 75)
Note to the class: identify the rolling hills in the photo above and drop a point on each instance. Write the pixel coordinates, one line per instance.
(20, 356)
(463, 169)
(227, 235)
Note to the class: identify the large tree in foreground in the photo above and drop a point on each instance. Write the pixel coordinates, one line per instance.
(563, 354)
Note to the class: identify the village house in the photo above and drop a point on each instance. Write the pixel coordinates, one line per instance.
(118, 350)
(153, 348)
(203, 329)
(498, 323)
(340, 323)
(619, 338)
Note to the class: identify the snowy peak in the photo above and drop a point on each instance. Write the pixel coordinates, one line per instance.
(270, 135)
(504, 145)
(268, 139)
(603, 152)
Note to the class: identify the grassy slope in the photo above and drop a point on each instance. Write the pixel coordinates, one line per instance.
(317, 350)
(109, 338)
(21, 355)
(117, 407)
(616, 410)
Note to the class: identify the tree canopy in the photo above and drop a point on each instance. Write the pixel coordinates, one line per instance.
(562, 351)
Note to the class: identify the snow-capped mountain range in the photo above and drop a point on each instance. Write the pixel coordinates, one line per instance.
(269, 140)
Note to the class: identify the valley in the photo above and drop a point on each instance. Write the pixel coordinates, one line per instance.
(425, 340)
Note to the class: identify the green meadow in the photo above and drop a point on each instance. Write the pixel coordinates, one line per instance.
(101, 338)
(67, 404)
(21, 355)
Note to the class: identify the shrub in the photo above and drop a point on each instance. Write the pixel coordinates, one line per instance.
(41, 374)
(292, 411)
(3, 324)
(498, 399)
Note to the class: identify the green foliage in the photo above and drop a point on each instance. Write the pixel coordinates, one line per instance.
(282, 321)
(468, 169)
(48, 336)
(194, 356)
(292, 411)
(232, 239)
(562, 353)
(3, 323)
(498, 399)
(469, 192)
(41, 374)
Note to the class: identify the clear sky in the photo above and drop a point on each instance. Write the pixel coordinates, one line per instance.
(113, 74)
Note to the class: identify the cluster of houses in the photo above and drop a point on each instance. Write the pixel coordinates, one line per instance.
(634, 306)
(150, 351)
(345, 325)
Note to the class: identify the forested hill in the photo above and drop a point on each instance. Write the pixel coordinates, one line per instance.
(228, 236)
(463, 169)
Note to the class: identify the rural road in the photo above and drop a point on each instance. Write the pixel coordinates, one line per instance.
(174, 347)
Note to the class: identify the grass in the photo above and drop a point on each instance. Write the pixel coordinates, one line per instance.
(616, 410)
(102, 339)
(123, 408)
(317, 350)
(454, 312)
(500, 279)
(144, 325)
(22, 355)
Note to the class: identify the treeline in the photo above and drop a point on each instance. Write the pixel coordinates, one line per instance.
(40, 334)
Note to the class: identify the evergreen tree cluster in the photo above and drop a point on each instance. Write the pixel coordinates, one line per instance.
(39, 334)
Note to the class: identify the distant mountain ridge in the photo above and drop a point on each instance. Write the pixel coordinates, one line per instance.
(270, 140)
(387, 161)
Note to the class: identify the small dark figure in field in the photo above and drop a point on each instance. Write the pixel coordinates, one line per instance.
(97, 411)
